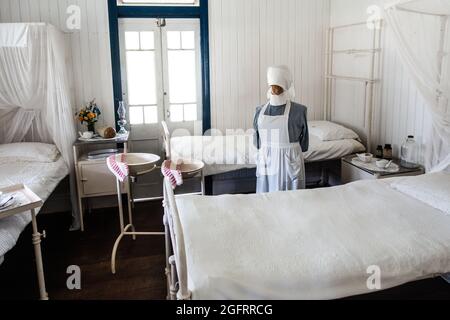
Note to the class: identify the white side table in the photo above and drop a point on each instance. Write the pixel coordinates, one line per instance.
(93, 177)
(27, 200)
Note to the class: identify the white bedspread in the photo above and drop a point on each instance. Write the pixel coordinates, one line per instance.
(41, 178)
(313, 244)
(226, 154)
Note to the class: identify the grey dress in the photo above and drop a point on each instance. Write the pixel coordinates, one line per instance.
(298, 123)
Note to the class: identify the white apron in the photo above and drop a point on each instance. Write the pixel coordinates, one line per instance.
(280, 163)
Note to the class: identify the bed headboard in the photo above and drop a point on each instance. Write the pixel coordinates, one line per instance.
(353, 72)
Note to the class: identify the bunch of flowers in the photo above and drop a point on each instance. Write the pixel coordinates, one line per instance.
(89, 114)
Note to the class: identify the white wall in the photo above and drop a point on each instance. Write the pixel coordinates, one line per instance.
(88, 56)
(401, 109)
(247, 37)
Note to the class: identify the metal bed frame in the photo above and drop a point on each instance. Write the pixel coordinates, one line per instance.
(176, 260)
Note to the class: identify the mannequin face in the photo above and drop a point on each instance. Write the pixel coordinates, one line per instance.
(277, 90)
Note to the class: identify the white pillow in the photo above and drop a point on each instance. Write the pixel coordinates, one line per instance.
(432, 189)
(329, 131)
(29, 152)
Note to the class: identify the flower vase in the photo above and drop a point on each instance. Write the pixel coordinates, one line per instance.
(91, 128)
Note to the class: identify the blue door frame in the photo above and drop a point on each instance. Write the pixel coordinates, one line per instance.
(181, 12)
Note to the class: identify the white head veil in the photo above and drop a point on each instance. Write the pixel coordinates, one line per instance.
(280, 76)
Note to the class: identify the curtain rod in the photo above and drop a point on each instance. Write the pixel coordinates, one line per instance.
(420, 12)
(399, 3)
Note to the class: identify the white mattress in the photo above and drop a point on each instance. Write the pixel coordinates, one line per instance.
(41, 178)
(313, 244)
(226, 154)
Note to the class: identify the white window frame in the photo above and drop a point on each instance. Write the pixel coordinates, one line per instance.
(161, 67)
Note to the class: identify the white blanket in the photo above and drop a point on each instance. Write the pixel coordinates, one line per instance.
(226, 154)
(313, 244)
(42, 178)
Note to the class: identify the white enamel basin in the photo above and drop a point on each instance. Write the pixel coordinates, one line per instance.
(140, 163)
(190, 167)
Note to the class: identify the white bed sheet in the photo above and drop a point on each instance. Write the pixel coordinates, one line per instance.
(313, 244)
(41, 178)
(226, 154)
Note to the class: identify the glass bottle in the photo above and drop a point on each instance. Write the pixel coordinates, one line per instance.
(410, 154)
(379, 153)
(122, 113)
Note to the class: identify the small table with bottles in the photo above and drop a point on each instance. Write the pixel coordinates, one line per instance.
(352, 172)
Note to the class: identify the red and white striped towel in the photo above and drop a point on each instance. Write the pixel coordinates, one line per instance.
(118, 166)
(172, 171)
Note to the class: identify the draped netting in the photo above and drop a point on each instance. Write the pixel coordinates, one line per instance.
(421, 30)
(35, 101)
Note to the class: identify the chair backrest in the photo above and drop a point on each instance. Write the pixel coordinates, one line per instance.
(166, 139)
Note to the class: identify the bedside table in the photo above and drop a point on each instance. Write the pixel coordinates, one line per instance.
(351, 172)
(93, 176)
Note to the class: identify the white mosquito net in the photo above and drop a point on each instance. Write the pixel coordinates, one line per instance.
(421, 29)
(35, 102)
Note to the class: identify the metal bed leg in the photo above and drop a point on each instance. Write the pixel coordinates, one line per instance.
(203, 183)
(38, 254)
(325, 177)
(173, 279)
(168, 252)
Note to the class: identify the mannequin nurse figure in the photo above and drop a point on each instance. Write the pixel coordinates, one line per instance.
(281, 136)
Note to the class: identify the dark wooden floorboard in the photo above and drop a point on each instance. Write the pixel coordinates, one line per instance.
(140, 264)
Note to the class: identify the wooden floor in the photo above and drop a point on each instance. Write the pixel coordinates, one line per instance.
(141, 263)
(140, 266)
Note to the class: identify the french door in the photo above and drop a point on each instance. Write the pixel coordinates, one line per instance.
(161, 81)
(161, 78)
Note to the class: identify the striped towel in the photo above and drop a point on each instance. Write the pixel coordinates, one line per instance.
(172, 171)
(118, 166)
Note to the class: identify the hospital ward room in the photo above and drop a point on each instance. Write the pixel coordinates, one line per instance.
(224, 150)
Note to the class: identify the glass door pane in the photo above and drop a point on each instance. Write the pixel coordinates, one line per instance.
(141, 78)
(142, 81)
(181, 55)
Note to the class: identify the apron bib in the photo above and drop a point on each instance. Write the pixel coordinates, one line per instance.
(280, 163)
